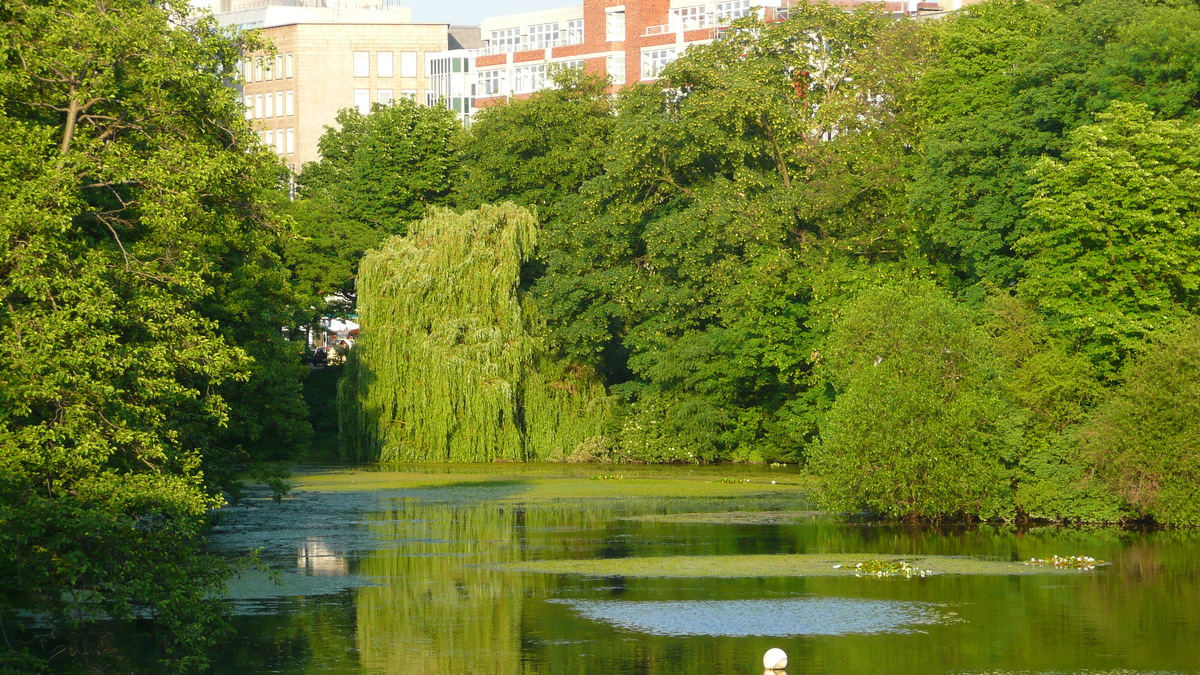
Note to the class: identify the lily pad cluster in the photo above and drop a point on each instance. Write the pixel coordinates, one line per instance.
(1079, 562)
(889, 568)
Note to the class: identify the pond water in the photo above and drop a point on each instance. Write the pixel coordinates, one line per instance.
(420, 572)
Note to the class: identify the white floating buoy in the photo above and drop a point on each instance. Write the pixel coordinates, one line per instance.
(775, 659)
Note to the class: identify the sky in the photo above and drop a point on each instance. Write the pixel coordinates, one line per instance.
(471, 12)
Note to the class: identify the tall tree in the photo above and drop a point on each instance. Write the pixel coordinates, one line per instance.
(141, 291)
(1114, 250)
(384, 169)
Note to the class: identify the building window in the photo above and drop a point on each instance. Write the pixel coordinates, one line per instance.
(410, 94)
(289, 102)
(506, 40)
(249, 107)
(574, 32)
(269, 106)
(384, 96)
(529, 78)
(279, 142)
(408, 64)
(279, 104)
(732, 9)
(616, 68)
(266, 137)
(288, 69)
(543, 35)
(278, 66)
(291, 140)
(258, 107)
(490, 83)
(362, 64)
(362, 100)
(614, 25)
(258, 70)
(248, 76)
(383, 64)
(688, 18)
(654, 60)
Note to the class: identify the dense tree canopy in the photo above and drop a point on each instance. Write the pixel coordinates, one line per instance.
(143, 300)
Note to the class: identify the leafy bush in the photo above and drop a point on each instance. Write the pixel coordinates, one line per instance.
(1145, 439)
(920, 428)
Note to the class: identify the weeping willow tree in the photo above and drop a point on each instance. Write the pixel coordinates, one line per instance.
(451, 365)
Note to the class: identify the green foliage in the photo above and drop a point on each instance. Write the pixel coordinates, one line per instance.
(1010, 80)
(1115, 254)
(920, 428)
(386, 168)
(450, 363)
(1057, 390)
(679, 275)
(1144, 439)
(143, 296)
(538, 151)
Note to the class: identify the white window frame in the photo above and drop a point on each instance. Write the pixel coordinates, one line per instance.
(289, 103)
(528, 79)
(655, 59)
(278, 69)
(362, 64)
(692, 17)
(289, 69)
(505, 40)
(362, 101)
(291, 140)
(615, 64)
(491, 82)
(268, 105)
(408, 64)
(249, 107)
(385, 96)
(729, 10)
(410, 94)
(258, 106)
(279, 104)
(574, 33)
(384, 64)
(614, 24)
(543, 35)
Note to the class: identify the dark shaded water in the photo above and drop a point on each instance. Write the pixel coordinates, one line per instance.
(402, 581)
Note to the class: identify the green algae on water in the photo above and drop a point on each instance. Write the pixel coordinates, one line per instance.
(793, 565)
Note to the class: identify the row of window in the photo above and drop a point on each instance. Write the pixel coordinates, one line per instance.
(265, 69)
(530, 78)
(362, 97)
(537, 36)
(283, 141)
(278, 104)
(384, 64)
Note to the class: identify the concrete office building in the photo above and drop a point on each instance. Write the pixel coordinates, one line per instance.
(330, 54)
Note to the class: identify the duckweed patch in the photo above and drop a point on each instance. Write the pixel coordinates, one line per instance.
(537, 482)
(732, 517)
(786, 565)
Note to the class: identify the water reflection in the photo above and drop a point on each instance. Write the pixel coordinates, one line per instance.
(744, 618)
(314, 557)
(434, 602)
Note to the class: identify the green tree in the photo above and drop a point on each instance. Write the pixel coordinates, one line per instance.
(1057, 390)
(1145, 439)
(538, 151)
(142, 293)
(451, 363)
(681, 275)
(1010, 80)
(384, 169)
(920, 428)
(1115, 251)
